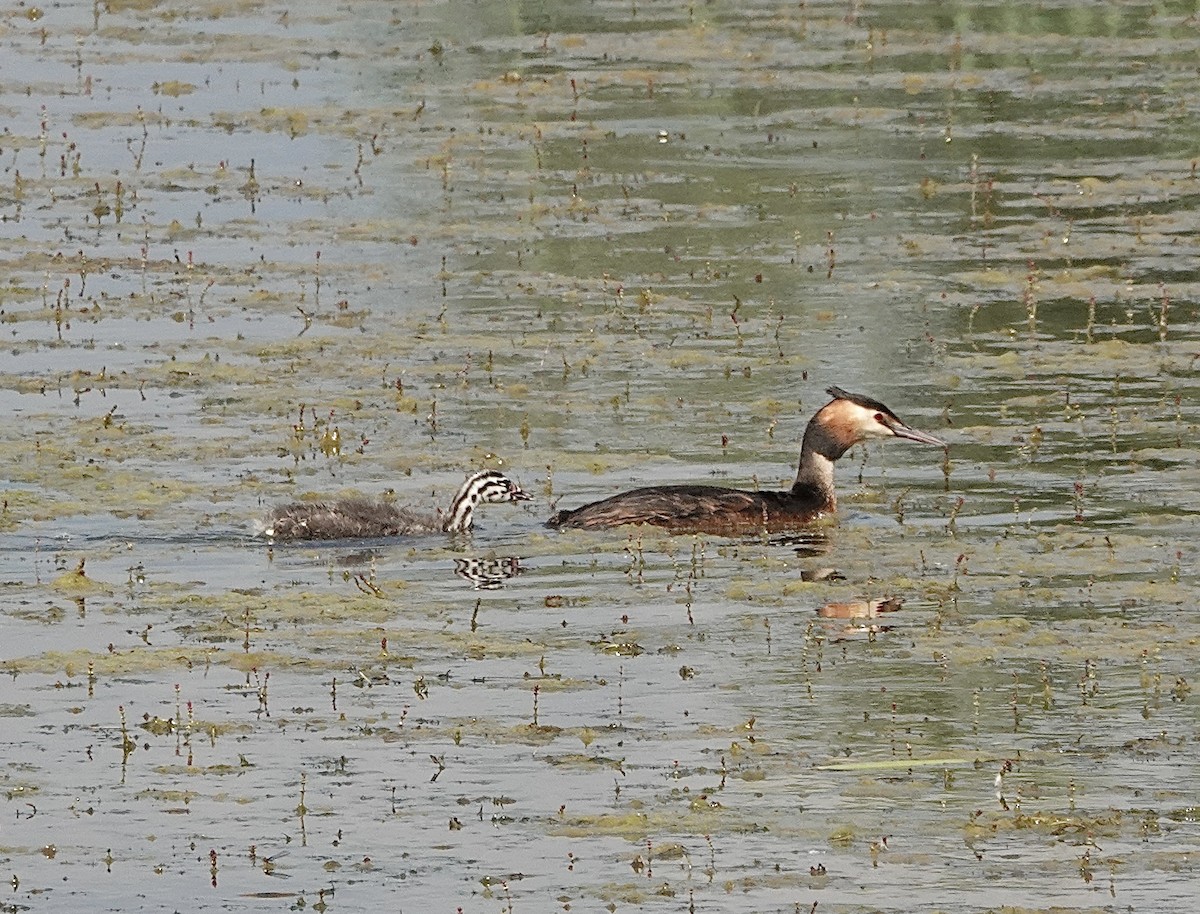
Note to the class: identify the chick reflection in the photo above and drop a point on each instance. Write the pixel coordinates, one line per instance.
(489, 573)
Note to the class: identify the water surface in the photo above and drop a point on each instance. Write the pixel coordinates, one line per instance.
(256, 253)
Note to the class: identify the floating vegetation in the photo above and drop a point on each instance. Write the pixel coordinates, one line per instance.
(299, 254)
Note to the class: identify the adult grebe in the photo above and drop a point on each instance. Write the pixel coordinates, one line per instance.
(838, 425)
(351, 518)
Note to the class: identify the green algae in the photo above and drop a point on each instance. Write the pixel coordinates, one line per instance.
(511, 261)
(634, 826)
(583, 762)
(895, 764)
(77, 664)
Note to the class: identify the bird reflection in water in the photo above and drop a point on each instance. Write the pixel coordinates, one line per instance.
(488, 573)
(807, 544)
(860, 616)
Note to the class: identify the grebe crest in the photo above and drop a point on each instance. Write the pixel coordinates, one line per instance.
(837, 426)
(356, 518)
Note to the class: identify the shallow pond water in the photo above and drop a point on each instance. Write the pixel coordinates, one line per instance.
(254, 253)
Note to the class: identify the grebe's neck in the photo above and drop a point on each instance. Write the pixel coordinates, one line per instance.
(489, 486)
(822, 446)
(461, 517)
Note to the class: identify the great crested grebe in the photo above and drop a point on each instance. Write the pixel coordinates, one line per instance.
(838, 425)
(351, 518)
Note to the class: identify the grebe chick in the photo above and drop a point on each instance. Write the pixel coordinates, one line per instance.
(838, 425)
(351, 518)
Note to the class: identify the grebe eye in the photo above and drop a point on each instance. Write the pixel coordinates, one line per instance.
(879, 418)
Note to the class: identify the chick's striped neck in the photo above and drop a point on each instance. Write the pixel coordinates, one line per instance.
(486, 486)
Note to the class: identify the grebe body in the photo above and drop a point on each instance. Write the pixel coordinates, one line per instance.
(358, 518)
(840, 424)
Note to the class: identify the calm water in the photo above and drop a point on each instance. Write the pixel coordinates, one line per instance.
(253, 253)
